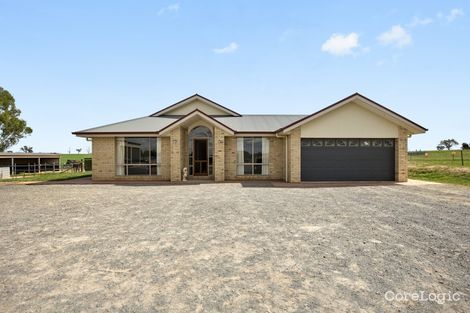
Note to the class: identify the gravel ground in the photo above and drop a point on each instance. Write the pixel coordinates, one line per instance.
(233, 248)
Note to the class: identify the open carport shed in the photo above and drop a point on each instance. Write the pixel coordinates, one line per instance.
(30, 162)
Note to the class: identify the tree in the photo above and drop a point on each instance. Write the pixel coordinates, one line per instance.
(12, 128)
(79, 150)
(26, 149)
(449, 143)
(465, 146)
(440, 147)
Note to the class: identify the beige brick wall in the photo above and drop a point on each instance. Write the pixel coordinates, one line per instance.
(103, 158)
(219, 154)
(293, 159)
(276, 160)
(176, 154)
(401, 156)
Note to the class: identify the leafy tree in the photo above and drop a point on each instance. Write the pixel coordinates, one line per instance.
(465, 146)
(79, 150)
(440, 147)
(12, 128)
(26, 149)
(448, 143)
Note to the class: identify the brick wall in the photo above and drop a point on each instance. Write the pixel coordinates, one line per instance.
(219, 154)
(276, 160)
(175, 154)
(293, 159)
(103, 158)
(401, 156)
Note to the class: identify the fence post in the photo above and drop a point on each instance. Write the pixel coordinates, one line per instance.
(461, 156)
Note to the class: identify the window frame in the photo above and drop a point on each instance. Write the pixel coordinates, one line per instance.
(264, 164)
(122, 168)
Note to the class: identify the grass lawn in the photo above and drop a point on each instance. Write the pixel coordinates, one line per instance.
(440, 166)
(73, 156)
(48, 177)
(441, 174)
(448, 158)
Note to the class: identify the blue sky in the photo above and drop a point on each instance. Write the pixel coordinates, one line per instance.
(72, 65)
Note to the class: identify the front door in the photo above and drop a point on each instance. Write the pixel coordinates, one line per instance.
(201, 161)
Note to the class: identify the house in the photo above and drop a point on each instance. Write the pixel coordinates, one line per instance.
(354, 139)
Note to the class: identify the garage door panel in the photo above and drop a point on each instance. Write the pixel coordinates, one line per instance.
(347, 163)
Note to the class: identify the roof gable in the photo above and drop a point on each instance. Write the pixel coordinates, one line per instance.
(196, 102)
(194, 116)
(365, 103)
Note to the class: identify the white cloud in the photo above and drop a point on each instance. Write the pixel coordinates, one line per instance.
(170, 8)
(228, 49)
(453, 14)
(396, 36)
(339, 44)
(420, 21)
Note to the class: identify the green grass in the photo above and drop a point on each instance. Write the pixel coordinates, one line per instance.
(73, 156)
(48, 177)
(440, 166)
(440, 175)
(448, 158)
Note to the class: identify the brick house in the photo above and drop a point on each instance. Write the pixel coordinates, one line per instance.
(353, 139)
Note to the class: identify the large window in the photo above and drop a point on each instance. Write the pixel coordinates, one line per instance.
(137, 156)
(252, 156)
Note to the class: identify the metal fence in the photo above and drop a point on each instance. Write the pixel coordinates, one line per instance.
(19, 169)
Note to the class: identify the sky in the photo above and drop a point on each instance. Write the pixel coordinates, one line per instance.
(73, 65)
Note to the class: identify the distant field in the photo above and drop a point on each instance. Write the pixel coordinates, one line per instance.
(74, 156)
(447, 158)
(440, 166)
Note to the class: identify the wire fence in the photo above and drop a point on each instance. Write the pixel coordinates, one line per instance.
(440, 158)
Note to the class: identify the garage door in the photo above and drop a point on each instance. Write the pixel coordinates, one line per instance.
(347, 159)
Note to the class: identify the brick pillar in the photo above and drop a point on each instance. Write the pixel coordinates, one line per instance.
(294, 156)
(219, 155)
(401, 156)
(175, 160)
(104, 158)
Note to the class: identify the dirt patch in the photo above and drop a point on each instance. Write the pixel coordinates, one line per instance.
(225, 247)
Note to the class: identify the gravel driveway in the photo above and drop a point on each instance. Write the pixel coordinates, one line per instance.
(233, 248)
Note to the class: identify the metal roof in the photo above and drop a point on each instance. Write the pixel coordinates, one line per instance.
(258, 123)
(137, 125)
(18, 155)
(152, 124)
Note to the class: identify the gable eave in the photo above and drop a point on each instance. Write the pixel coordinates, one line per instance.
(192, 98)
(395, 117)
(200, 114)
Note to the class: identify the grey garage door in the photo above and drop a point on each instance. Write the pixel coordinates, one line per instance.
(347, 159)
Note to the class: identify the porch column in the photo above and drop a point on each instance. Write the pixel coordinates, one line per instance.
(401, 156)
(175, 159)
(293, 155)
(219, 155)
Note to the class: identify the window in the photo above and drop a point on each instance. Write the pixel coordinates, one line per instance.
(365, 143)
(317, 143)
(137, 156)
(388, 143)
(252, 156)
(354, 143)
(329, 143)
(341, 143)
(377, 143)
